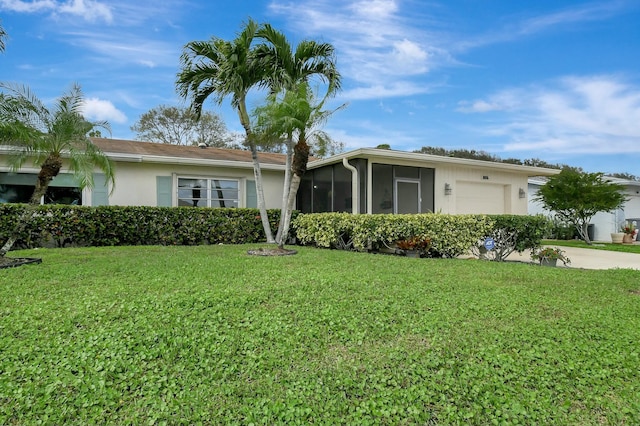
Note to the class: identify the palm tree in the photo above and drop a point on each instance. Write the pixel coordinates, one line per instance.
(295, 116)
(3, 36)
(47, 137)
(221, 68)
(289, 71)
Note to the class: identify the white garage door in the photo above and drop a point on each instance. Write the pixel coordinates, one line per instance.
(472, 197)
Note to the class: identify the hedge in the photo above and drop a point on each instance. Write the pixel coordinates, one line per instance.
(450, 235)
(62, 226)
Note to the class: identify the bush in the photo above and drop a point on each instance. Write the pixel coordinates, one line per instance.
(450, 235)
(60, 226)
(513, 233)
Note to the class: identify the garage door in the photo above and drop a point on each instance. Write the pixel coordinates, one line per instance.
(472, 197)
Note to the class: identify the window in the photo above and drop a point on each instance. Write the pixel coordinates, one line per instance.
(208, 192)
(18, 188)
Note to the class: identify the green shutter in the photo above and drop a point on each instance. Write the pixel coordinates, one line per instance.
(100, 192)
(252, 194)
(163, 190)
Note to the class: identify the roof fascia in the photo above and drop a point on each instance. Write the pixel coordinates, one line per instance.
(380, 155)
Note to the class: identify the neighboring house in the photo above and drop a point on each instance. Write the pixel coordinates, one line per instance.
(359, 181)
(604, 223)
(387, 181)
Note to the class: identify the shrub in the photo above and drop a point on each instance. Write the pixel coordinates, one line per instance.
(512, 233)
(60, 226)
(450, 235)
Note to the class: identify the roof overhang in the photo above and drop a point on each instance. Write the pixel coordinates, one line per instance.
(427, 160)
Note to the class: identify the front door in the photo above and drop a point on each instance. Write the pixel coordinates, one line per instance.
(407, 199)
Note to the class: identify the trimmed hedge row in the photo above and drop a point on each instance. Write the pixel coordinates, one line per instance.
(450, 235)
(113, 225)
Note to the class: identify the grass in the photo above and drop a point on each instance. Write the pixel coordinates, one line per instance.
(188, 335)
(623, 248)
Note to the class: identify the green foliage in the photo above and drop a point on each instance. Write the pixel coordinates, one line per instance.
(113, 225)
(576, 197)
(181, 126)
(450, 235)
(201, 335)
(514, 233)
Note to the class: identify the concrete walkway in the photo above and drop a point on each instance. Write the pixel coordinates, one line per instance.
(590, 258)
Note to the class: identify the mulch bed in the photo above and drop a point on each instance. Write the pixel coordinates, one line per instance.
(12, 262)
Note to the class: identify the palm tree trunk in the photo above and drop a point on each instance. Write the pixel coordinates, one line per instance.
(299, 167)
(257, 173)
(48, 170)
(286, 214)
(285, 191)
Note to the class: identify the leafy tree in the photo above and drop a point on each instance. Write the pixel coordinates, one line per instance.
(44, 136)
(627, 176)
(181, 126)
(576, 197)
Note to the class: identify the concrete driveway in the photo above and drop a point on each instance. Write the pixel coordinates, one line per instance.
(591, 259)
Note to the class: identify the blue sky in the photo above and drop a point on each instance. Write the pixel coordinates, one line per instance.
(555, 80)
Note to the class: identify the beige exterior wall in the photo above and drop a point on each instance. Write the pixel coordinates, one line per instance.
(136, 183)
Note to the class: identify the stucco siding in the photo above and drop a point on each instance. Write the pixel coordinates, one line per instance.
(136, 184)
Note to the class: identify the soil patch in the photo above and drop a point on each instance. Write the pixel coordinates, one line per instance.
(12, 262)
(271, 251)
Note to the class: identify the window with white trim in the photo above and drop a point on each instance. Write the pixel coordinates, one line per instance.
(208, 192)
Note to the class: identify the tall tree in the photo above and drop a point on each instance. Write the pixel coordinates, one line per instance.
(48, 136)
(181, 126)
(576, 197)
(3, 36)
(295, 119)
(221, 68)
(289, 71)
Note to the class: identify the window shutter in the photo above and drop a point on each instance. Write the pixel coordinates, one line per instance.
(163, 191)
(252, 195)
(100, 191)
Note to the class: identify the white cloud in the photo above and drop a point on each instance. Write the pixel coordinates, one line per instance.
(99, 109)
(597, 114)
(90, 10)
(381, 51)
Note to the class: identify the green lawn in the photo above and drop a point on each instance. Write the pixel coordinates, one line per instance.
(625, 248)
(187, 335)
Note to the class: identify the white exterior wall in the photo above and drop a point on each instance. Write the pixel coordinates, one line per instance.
(136, 182)
(457, 175)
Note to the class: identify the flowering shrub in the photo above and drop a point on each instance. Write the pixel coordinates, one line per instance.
(550, 253)
(628, 229)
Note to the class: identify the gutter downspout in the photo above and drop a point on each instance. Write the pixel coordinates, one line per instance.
(355, 199)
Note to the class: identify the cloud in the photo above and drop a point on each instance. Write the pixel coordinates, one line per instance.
(575, 114)
(382, 52)
(99, 109)
(562, 19)
(89, 10)
(131, 49)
